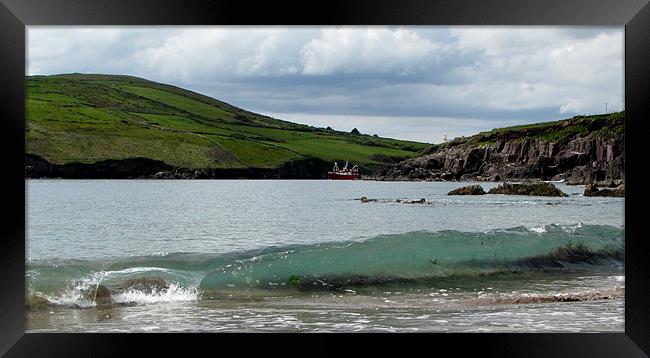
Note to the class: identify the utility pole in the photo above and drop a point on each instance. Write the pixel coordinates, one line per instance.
(605, 107)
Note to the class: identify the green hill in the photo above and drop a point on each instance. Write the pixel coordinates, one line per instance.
(85, 119)
(599, 125)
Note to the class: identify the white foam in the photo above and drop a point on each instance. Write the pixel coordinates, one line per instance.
(538, 229)
(136, 270)
(160, 253)
(71, 299)
(77, 296)
(570, 229)
(149, 328)
(74, 297)
(174, 293)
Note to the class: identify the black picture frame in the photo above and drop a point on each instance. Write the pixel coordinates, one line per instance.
(16, 14)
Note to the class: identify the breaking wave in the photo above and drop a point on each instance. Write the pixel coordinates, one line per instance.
(410, 257)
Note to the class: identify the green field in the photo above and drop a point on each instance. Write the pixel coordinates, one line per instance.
(89, 118)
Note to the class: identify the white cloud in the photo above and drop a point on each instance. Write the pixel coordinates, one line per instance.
(354, 50)
(537, 67)
(372, 73)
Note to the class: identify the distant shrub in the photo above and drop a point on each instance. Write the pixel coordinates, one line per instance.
(243, 118)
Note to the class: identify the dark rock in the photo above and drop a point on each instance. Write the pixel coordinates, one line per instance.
(303, 168)
(421, 201)
(468, 190)
(100, 294)
(592, 190)
(532, 189)
(37, 302)
(145, 284)
(366, 200)
(619, 191)
(105, 169)
(447, 176)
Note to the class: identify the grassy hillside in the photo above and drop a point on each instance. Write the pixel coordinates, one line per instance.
(604, 125)
(89, 118)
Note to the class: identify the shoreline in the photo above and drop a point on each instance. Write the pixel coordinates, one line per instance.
(309, 168)
(513, 180)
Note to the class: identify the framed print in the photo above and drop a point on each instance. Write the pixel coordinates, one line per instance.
(468, 172)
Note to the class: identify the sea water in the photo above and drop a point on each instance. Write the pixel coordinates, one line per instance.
(308, 255)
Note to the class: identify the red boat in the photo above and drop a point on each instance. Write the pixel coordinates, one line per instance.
(345, 173)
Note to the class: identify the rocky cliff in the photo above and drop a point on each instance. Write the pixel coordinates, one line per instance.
(144, 168)
(580, 150)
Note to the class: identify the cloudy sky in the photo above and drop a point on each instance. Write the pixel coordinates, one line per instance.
(413, 83)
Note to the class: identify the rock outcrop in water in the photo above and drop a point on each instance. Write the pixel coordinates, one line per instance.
(532, 189)
(592, 190)
(146, 285)
(580, 150)
(402, 201)
(366, 200)
(468, 190)
(98, 294)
